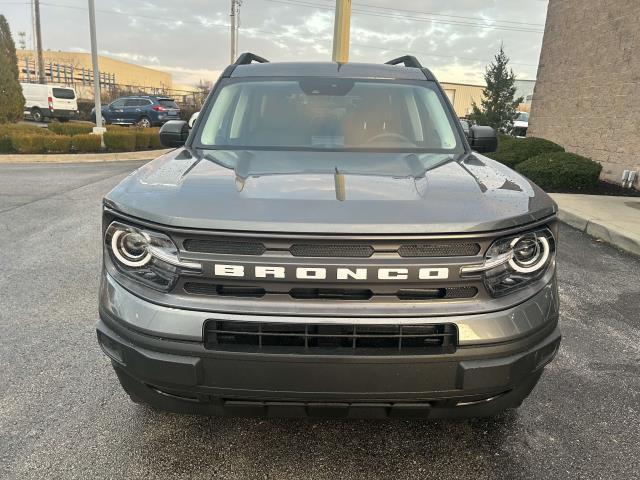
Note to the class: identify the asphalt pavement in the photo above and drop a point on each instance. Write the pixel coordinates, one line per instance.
(63, 414)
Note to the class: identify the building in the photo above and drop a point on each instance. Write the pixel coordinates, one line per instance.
(586, 95)
(76, 70)
(462, 96)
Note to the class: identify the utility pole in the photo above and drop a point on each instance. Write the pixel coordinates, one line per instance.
(98, 129)
(36, 8)
(341, 31)
(234, 29)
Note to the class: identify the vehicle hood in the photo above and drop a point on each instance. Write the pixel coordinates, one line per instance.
(521, 124)
(330, 192)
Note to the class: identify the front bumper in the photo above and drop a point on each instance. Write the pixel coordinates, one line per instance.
(179, 374)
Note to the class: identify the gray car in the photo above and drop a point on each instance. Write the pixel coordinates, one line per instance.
(327, 241)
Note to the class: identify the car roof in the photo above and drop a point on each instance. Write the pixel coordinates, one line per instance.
(329, 69)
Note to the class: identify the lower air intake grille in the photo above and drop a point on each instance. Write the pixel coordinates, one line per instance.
(457, 249)
(328, 339)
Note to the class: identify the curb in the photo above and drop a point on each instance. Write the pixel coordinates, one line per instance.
(610, 235)
(83, 157)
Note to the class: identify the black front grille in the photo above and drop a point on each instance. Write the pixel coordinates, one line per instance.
(331, 250)
(224, 247)
(456, 249)
(329, 339)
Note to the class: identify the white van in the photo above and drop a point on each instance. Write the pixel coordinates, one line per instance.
(49, 101)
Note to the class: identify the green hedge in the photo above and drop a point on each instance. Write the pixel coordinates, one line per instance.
(512, 151)
(119, 141)
(27, 143)
(71, 128)
(75, 137)
(86, 143)
(57, 143)
(561, 171)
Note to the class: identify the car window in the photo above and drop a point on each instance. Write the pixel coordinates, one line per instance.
(118, 103)
(132, 102)
(167, 103)
(143, 102)
(63, 93)
(522, 117)
(329, 113)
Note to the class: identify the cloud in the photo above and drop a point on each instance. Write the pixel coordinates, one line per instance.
(190, 38)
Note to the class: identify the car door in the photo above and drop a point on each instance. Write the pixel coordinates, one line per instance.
(132, 109)
(115, 111)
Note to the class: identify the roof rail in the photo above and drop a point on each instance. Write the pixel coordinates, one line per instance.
(406, 60)
(248, 57)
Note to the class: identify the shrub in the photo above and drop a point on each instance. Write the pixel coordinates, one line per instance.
(27, 143)
(71, 128)
(5, 144)
(120, 141)
(142, 139)
(86, 143)
(57, 143)
(554, 171)
(517, 150)
(10, 128)
(154, 140)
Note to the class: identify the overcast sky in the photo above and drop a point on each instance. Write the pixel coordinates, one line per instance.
(190, 38)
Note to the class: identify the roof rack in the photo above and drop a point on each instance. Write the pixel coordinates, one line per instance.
(248, 58)
(406, 60)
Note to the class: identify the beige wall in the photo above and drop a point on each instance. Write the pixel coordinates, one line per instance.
(462, 96)
(587, 97)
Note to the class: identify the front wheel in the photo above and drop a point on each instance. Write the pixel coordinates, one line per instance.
(144, 122)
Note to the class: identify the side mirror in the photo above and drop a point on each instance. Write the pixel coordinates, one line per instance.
(483, 139)
(174, 133)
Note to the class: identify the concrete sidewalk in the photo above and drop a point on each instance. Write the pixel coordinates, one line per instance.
(615, 220)
(82, 157)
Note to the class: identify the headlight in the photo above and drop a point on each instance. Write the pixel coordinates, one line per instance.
(514, 262)
(145, 256)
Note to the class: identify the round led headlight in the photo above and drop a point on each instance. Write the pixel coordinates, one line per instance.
(529, 253)
(131, 248)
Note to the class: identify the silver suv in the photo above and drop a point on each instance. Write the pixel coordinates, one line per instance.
(327, 241)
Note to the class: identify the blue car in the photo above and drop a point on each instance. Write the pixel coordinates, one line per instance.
(142, 110)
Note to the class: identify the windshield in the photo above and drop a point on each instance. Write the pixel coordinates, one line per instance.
(328, 114)
(522, 117)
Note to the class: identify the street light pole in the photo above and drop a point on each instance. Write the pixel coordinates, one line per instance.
(36, 9)
(341, 31)
(234, 31)
(98, 129)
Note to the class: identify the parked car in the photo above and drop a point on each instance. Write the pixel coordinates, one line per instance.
(142, 110)
(520, 125)
(45, 102)
(326, 241)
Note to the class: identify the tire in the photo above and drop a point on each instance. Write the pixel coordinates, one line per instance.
(144, 122)
(36, 114)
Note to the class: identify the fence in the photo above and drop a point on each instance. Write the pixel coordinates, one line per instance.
(81, 79)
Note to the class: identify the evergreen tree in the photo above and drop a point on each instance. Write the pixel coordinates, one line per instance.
(11, 98)
(498, 107)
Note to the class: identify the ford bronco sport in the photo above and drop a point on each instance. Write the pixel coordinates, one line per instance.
(327, 241)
